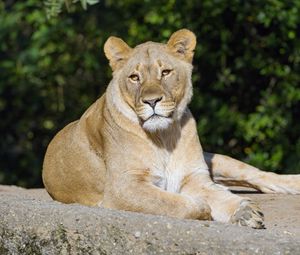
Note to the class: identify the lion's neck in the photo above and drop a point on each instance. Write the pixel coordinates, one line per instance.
(166, 139)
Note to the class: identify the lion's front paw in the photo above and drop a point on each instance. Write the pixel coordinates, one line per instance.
(248, 214)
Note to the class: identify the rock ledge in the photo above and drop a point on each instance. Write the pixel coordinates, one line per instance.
(31, 223)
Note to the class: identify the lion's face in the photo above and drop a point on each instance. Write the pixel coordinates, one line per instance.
(153, 83)
(154, 79)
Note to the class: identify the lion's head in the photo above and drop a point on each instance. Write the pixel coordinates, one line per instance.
(154, 79)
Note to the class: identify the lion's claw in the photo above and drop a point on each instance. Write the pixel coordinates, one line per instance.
(248, 214)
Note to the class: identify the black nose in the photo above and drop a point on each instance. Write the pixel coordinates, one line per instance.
(152, 102)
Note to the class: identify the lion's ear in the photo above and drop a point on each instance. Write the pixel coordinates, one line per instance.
(116, 51)
(182, 43)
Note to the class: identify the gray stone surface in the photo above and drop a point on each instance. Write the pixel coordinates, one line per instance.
(31, 223)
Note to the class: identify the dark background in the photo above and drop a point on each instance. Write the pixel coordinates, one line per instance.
(246, 74)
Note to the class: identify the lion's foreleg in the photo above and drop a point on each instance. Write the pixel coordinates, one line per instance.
(134, 192)
(225, 206)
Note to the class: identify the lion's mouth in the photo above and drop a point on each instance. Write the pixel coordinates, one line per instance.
(156, 116)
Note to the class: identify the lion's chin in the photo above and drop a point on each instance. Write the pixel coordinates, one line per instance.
(156, 123)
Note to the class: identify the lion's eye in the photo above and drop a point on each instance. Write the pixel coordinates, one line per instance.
(165, 72)
(134, 77)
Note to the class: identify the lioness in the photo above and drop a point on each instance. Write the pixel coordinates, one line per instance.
(137, 149)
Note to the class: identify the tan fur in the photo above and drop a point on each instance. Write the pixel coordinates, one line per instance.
(231, 172)
(137, 149)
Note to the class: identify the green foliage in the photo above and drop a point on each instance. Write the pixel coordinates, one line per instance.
(54, 7)
(246, 74)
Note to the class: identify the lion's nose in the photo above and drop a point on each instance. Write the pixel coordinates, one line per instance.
(152, 102)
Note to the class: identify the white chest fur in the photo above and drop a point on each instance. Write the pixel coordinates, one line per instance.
(168, 180)
(168, 173)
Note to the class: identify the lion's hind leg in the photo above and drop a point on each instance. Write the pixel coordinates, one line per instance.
(231, 172)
